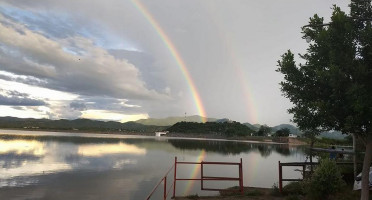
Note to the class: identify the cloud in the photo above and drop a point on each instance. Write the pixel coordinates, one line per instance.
(78, 106)
(92, 72)
(14, 98)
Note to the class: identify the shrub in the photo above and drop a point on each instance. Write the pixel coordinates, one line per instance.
(293, 188)
(275, 190)
(326, 180)
(253, 193)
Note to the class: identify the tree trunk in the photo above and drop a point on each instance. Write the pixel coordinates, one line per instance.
(365, 171)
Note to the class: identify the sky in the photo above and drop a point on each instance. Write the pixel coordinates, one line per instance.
(125, 60)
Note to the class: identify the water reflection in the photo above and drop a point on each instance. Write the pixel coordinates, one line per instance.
(32, 147)
(28, 157)
(102, 149)
(234, 148)
(120, 167)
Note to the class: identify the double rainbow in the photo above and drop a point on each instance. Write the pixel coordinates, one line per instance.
(181, 64)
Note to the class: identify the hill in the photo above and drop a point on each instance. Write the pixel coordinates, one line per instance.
(292, 129)
(169, 121)
(254, 127)
(227, 129)
(77, 124)
(333, 135)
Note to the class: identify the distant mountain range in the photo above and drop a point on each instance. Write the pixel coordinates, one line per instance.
(169, 121)
(77, 125)
(143, 125)
(294, 130)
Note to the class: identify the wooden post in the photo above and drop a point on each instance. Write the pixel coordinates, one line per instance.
(165, 187)
(201, 176)
(241, 176)
(280, 178)
(175, 177)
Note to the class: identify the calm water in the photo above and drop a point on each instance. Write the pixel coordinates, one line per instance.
(47, 165)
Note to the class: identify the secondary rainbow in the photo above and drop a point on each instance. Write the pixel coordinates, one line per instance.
(181, 64)
(194, 172)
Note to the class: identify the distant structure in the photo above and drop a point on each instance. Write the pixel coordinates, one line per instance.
(292, 135)
(160, 133)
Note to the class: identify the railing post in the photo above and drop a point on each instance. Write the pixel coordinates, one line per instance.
(241, 176)
(165, 187)
(201, 176)
(280, 178)
(175, 177)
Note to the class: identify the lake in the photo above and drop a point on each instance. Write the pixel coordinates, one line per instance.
(56, 165)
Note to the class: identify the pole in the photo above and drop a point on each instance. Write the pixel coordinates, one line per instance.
(280, 178)
(165, 187)
(201, 176)
(175, 177)
(241, 176)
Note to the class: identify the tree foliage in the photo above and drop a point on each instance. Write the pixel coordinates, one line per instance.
(283, 132)
(326, 180)
(332, 88)
(263, 130)
(228, 129)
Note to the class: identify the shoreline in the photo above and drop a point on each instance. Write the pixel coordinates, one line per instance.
(181, 136)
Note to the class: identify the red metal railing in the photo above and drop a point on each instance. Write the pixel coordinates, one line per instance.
(163, 180)
(201, 179)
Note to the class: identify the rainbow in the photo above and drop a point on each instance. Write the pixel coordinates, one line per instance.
(252, 115)
(181, 64)
(194, 172)
(252, 167)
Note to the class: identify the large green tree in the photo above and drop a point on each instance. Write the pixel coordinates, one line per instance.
(332, 87)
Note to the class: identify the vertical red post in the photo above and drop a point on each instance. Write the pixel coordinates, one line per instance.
(165, 187)
(280, 178)
(241, 176)
(201, 176)
(175, 177)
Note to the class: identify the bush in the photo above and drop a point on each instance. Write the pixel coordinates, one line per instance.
(293, 188)
(275, 191)
(253, 193)
(326, 180)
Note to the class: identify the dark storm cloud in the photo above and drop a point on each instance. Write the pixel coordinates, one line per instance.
(95, 73)
(20, 101)
(19, 108)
